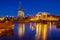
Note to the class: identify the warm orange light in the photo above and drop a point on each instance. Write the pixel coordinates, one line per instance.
(38, 30)
(21, 29)
(45, 32)
(1, 18)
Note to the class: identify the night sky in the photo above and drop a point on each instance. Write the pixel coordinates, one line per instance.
(31, 7)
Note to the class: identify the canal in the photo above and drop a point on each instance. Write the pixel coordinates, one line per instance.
(32, 31)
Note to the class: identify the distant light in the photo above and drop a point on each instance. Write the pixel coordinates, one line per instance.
(2, 18)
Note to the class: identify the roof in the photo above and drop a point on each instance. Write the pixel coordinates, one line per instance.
(20, 10)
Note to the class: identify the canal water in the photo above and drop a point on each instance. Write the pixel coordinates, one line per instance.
(33, 31)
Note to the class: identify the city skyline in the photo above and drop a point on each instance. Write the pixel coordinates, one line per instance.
(29, 19)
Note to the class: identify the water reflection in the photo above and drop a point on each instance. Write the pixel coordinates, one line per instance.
(31, 31)
(21, 29)
(41, 29)
(7, 33)
(45, 30)
(38, 30)
(6, 29)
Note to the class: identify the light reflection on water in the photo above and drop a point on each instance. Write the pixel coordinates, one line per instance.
(34, 31)
(40, 29)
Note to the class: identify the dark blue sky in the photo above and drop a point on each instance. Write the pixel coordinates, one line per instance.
(32, 7)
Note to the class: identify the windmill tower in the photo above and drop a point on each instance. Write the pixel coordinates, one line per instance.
(20, 11)
(21, 26)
